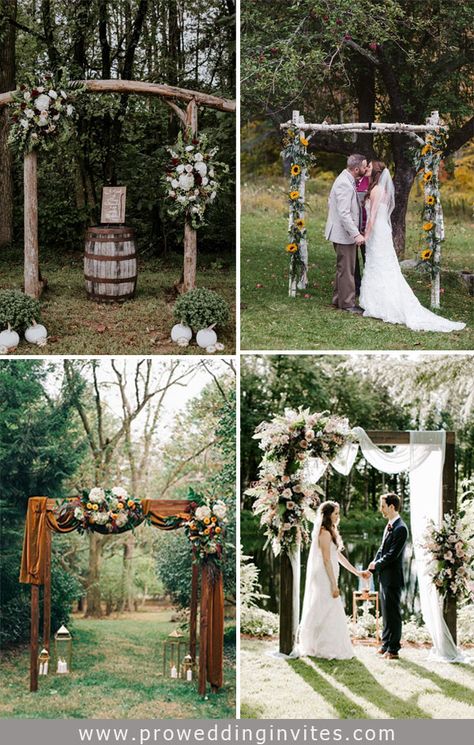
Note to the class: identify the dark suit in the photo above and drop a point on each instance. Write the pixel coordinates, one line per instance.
(389, 567)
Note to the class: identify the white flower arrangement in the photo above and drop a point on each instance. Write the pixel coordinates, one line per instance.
(105, 510)
(452, 556)
(190, 180)
(42, 111)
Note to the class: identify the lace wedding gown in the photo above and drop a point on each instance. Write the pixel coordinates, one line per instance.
(323, 630)
(384, 291)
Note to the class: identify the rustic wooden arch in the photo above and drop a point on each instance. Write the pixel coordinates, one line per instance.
(414, 131)
(449, 502)
(36, 571)
(189, 120)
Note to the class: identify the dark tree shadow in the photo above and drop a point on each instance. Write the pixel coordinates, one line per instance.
(450, 688)
(346, 709)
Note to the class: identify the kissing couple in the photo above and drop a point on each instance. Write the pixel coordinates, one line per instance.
(323, 631)
(384, 292)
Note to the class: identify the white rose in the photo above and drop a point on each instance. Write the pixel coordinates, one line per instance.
(186, 181)
(56, 117)
(29, 113)
(201, 168)
(25, 123)
(189, 148)
(171, 193)
(287, 493)
(180, 168)
(119, 491)
(174, 183)
(27, 96)
(42, 102)
(52, 94)
(69, 109)
(189, 168)
(181, 199)
(219, 510)
(205, 181)
(40, 89)
(96, 494)
(78, 513)
(202, 512)
(198, 157)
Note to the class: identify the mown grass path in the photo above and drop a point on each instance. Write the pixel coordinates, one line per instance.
(117, 674)
(366, 687)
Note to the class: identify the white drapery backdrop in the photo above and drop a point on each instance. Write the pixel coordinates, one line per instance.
(423, 458)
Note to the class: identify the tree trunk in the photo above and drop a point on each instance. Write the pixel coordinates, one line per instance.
(7, 83)
(127, 582)
(403, 181)
(94, 607)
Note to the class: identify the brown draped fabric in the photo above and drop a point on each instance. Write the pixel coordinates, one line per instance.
(215, 629)
(41, 518)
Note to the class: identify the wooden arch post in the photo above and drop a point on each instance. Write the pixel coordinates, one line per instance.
(449, 504)
(190, 234)
(30, 219)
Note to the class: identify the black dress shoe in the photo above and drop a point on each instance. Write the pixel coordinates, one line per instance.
(356, 310)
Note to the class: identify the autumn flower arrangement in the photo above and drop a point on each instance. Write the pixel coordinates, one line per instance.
(104, 510)
(206, 529)
(427, 161)
(284, 500)
(42, 111)
(295, 151)
(452, 565)
(192, 178)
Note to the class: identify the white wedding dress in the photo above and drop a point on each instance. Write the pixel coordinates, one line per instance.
(384, 292)
(323, 631)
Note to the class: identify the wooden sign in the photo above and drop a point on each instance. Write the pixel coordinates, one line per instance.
(113, 204)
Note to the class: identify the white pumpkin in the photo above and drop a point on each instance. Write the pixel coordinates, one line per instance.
(181, 331)
(36, 334)
(9, 339)
(206, 337)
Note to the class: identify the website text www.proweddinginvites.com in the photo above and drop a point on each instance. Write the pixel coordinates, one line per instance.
(236, 733)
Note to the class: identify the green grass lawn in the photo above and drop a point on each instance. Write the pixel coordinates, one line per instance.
(117, 674)
(365, 687)
(272, 320)
(77, 325)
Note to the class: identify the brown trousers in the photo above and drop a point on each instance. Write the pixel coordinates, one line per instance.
(344, 290)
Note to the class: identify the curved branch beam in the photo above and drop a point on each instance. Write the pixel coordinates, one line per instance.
(144, 88)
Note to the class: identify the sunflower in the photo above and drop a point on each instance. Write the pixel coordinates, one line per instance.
(295, 170)
(427, 226)
(299, 223)
(430, 200)
(292, 248)
(426, 254)
(428, 176)
(304, 141)
(294, 195)
(426, 149)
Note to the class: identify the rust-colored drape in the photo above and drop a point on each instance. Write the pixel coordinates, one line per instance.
(215, 628)
(34, 557)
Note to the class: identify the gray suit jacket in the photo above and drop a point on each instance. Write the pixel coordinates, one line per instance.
(343, 218)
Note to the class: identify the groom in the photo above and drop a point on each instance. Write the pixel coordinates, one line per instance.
(388, 564)
(342, 228)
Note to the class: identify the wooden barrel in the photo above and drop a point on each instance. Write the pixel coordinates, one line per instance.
(110, 264)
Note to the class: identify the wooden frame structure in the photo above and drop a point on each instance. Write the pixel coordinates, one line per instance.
(188, 119)
(167, 508)
(369, 128)
(380, 438)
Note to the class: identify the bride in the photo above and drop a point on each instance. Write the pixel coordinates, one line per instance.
(384, 292)
(323, 629)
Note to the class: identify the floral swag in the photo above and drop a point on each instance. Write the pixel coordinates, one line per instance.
(191, 179)
(452, 565)
(283, 499)
(295, 152)
(42, 111)
(104, 510)
(427, 161)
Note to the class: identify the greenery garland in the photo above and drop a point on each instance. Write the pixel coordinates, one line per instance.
(192, 178)
(283, 500)
(295, 151)
(427, 161)
(42, 111)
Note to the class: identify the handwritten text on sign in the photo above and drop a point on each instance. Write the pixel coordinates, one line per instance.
(113, 204)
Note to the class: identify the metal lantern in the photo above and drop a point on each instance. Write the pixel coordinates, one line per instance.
(63, 648)
(188, 669)
(174, 649)
(43, 662)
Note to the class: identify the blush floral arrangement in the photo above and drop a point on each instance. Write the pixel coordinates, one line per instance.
(452, 552)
